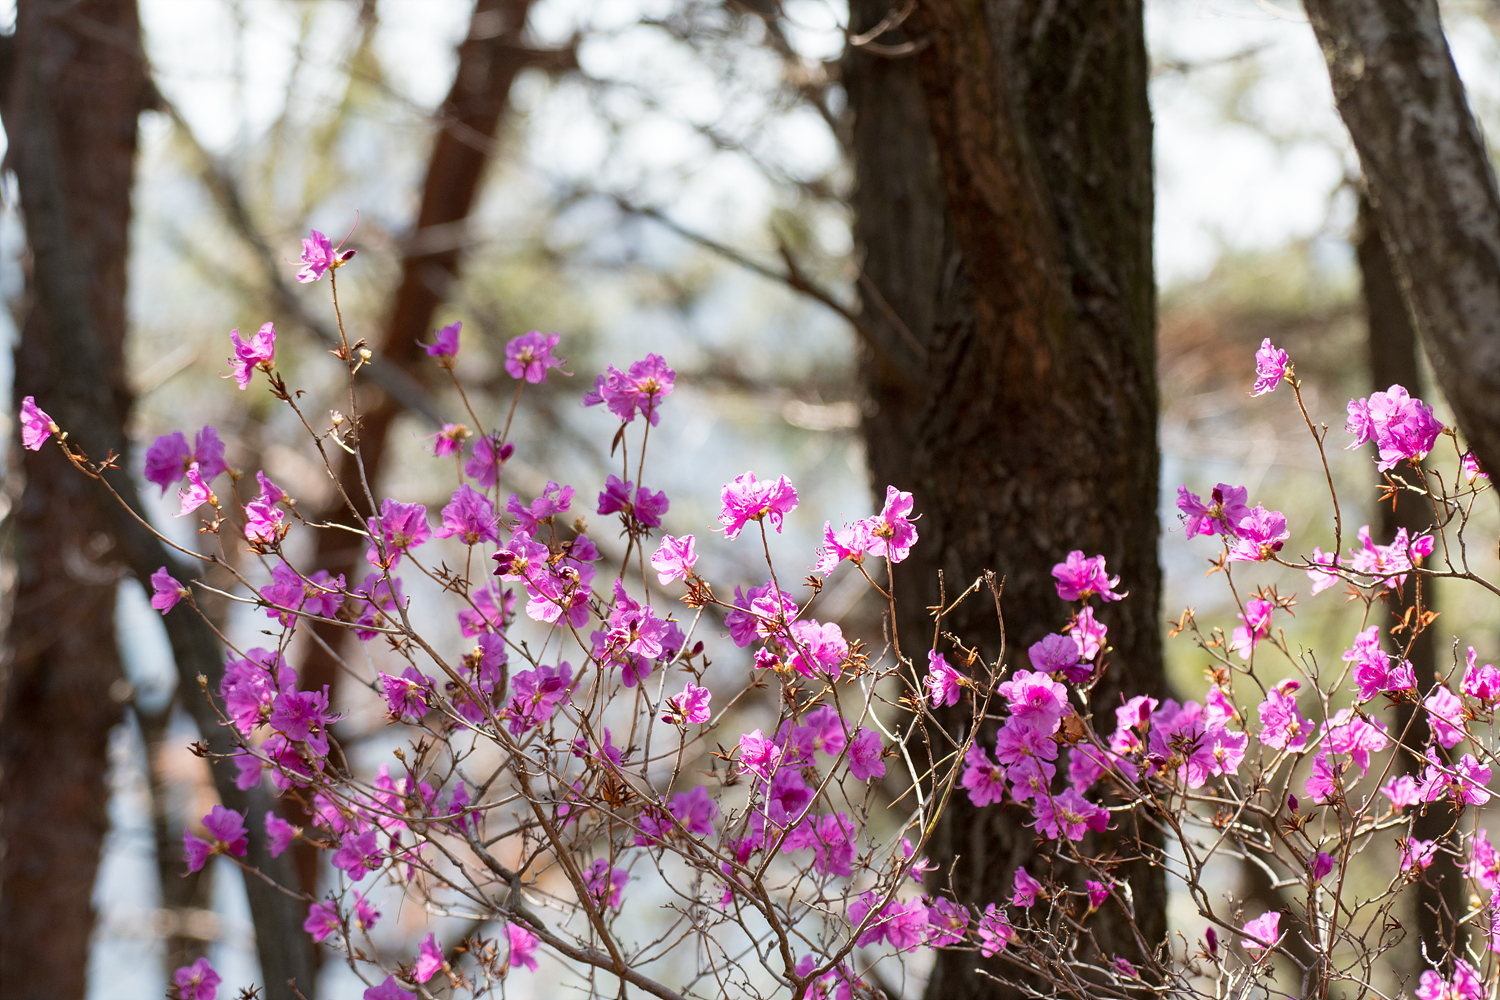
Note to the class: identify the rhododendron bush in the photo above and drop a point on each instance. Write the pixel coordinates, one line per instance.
(586, 791)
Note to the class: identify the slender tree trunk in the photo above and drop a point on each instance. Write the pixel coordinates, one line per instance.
(60, 661)
(1431, 182)
(1004, 211)
(1394, 359)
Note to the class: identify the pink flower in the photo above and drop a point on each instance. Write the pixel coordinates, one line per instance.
(402, 527)
(642, 389)
(1067, 814)
(1257, 619)
(1282, 726)
(358, 854)
(471, 517)
(1222, 514)
(645, 506)
(1321, 866)
(365, 915)
(1098, 893)
(865, 752)
(1402, 791)
(229, 837)
(445, 344)
(1321, 580)
(196, 494)
(944, 684)
(695, 811)
(1402, 427)
(167, 591)
(819, 648)
(1372, 666)
(449, 440)
(1036, 700)
(322, 920)
(1088, 633)
(1465, 985)
(891, 533)
(1416, 855)
(388, 990)
(746, 500)
(1263, 931)
(606, 884)
(1464, 784)
(279, 834)
(1056, 654)
(487, 459)
(317, 257)
(1445, 716)
(850, 543)
(1262, 533)
(257, 352)
(994, 932)
(1484, 862)
(168, 458)
(1026, 889)
(429, 959)
(407, 696)
(674, 559)
(530, 355)
(198, 981)
(1470, 467)
(759, 755)
(1078, 579)
(688, 708)
(554, 500)
(1479, 682)
(523, 946)
(36, 426)
(263, 522)
(1270, 368)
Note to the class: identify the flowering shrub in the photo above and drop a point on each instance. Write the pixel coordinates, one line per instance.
(591, 792)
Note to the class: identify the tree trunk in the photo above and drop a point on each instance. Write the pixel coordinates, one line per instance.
(1431, 182)
(1004, 209)
(60, 659)
(1394, 359)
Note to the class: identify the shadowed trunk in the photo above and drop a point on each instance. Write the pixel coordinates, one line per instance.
(1394, 360)
(1004, 211)
(1432, 185)
(60, 660)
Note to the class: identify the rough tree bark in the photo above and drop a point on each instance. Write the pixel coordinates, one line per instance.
(1394, 359)
(70, 354)
(1431, 182)
(1004, 211)
(60, 660)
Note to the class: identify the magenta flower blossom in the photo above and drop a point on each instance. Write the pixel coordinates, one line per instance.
(641, 389)
(983, 779)
(695, 811)
(606, 884)
(358, 854)
(1466, 984)
(388, 990)
(263, 522)
(1372, 666)
(257, 352)
(449, 440)
(1389, 563)
(1054, 653)
(674, 558)
(536, 695)
(1416, 854)
(1036, 700)
(1098, 893)
(1402, 427)
(167, 591)
(1221, 515)
(850, 543)
(1479, 682)
(530, 355)
(1348, 733)
(1483, 865)
(944, 684)
(1445, 716)
(322, 920)
(1402, 791)
(1464, 783)
(865, 752)
(1270, 368)
(1078, 579)
(746, 500)
(647, 507)
(1262, 533)
(554, 500)
(1321, 579)
(688, 708)
(994, 932)
(1469, 465)
(36, 426)
(1026, 889)
(759, 755)
(198, 981)
(279, 834)
(407, 696)
(1257, 619)
(947, 923)
(487, 459)
(402, 526)
(318, 255)
(445, 344)
(429, 959)
(168, 458)
(1088, 633)
(1321, 866)
(761, 613)
(523, 945)
(1282, 726)
(819, 648)
(1066, 814)
(471, 517)
(1263, 931)
(229, 837)
(891, 533)
(196, 493)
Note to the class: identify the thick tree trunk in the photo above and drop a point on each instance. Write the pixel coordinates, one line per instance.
(1431, 182)
(1004, 211)
(1394, 359)
(60, 659)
